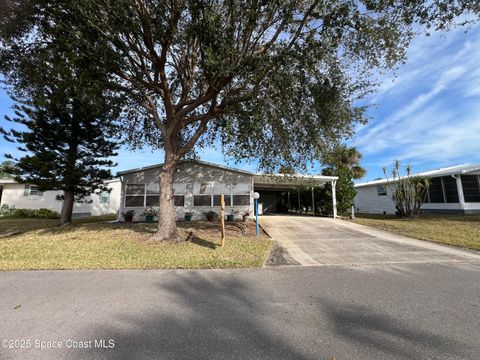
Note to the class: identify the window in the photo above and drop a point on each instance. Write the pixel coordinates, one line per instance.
(381, 190)
(227, 199)
(152, 200)
(146, 195)
(202, 200)
(104, 197)
(207, 194)
(240, 194)
(179, 194)
(239, 200)
(135, 195)
(471, 188)
(450, 188)
(32, 190)
(153, 194)
(179, 200)
(435, 191)
(202, 194)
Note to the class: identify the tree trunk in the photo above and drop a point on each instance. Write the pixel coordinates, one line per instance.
(167, 228)
(67, 207)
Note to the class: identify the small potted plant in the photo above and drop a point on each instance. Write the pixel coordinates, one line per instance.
(150, 213)
(231, 216)
(245, 215)
(211, 215)
(188, 216)
(128, 215)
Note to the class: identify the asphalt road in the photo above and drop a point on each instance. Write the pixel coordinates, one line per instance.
(395, 311)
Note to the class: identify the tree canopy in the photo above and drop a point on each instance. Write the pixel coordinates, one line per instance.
(66, 119)
(272, 80)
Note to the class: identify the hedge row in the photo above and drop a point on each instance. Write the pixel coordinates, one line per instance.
(7, 212)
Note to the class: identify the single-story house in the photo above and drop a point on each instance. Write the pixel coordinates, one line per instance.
(198, 186)
(453, 190)
(27, 196)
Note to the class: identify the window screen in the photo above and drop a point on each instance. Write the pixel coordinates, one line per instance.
(135, 195)
(435, 190)
(153, 200)
(179, 200)
(227, 198)
(153, 188)
(134, 201)
(450, 186)
(135, 189)
(471, 190)
(239, 200)
(202, 200)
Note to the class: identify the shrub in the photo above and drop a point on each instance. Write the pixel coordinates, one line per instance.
(13, 213)
(128, 215)
(211, 215)
(408, 192)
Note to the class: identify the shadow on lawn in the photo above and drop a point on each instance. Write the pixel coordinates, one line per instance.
(197, 232)
(201, 242)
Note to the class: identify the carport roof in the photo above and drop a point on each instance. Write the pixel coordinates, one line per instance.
(285, 180)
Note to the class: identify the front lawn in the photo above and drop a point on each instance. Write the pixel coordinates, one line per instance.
(458, 230)
(126, 246)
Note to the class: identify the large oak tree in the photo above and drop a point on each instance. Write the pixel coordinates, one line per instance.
(276, 80)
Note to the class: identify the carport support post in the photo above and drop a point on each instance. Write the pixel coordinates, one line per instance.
(313, 201)
(298, 195)
(334, 198)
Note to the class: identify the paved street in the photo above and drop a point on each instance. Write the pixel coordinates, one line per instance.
(326, 241)
(396, 311)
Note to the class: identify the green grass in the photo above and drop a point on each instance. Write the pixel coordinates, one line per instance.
(127, 246)
(457, 230)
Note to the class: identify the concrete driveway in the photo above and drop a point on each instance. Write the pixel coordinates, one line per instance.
(325, 241)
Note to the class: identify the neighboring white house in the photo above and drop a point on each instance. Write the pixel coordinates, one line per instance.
(26, 196)
(198, 186)
(454, 189)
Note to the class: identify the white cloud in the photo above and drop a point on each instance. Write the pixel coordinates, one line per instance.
(430, 111)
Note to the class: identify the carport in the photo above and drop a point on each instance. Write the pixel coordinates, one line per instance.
(280, 193)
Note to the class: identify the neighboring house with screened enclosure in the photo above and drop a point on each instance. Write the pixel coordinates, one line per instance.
(28, 196)
(453, 190)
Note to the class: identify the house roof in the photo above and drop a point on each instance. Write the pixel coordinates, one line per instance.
(6, 181)
(185, 161)
(452, 170)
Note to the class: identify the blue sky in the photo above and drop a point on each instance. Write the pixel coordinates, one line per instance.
(426, 113)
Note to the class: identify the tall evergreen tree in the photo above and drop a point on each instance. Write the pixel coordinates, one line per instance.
(67, 118)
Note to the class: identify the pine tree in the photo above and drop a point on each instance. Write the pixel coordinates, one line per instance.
(68, 117)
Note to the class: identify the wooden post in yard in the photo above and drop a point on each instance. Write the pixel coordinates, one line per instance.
(222, 217)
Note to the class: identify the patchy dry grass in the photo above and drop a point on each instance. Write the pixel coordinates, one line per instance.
(458, 230)
(9, 227)
(127, 246)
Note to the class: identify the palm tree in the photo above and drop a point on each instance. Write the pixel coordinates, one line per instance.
(343, 156)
